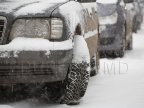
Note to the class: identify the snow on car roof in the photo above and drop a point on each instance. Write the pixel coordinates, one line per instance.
(107, 1)
(35, 6)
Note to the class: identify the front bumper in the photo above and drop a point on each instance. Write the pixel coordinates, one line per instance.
(34, 66)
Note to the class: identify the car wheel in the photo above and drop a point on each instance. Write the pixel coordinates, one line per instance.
(121, 52)
(79, 73)
(134, 25)
(74, 87)
(130, 44)
(94, 65)
(76, 83)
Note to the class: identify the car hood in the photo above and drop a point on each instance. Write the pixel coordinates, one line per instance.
(29, 7)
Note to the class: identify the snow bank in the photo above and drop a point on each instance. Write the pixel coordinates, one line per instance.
(107, 1)
(35, 44)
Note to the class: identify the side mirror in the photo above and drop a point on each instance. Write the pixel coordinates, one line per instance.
(128, 1)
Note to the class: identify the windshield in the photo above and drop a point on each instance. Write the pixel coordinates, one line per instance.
(106, 9)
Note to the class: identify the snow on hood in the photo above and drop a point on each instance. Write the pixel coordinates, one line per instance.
(25, 7)
(107, 1)
(35, 44)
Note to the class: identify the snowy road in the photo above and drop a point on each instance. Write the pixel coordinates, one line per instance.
(120, 83)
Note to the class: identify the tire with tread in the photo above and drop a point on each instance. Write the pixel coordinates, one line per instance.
(121, 52)
(76, 83)
(94, 65)
(73, 88)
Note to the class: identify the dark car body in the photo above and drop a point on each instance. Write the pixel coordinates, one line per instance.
(34, 66)
(37, 43)
(29, 66)
(112, 31)
(44, 43)
(115, 28)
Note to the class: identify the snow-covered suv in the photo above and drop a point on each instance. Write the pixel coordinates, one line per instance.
(49, 41)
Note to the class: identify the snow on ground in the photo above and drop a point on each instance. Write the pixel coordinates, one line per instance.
(120, 83)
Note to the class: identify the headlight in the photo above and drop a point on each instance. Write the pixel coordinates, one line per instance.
(37, 28)
(56, 28)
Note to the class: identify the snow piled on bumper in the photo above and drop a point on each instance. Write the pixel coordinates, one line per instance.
(35, 44)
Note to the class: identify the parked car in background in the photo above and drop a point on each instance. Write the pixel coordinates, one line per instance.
(128, 5)
(114, 28)
(52, 45)
(138, 18)
(141, 5)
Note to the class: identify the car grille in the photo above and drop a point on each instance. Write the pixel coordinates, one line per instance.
(24, 70)
(3, 22)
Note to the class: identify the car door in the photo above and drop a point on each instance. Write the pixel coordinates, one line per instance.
(91, 24)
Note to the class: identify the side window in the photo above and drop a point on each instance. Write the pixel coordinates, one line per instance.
(86, 1)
